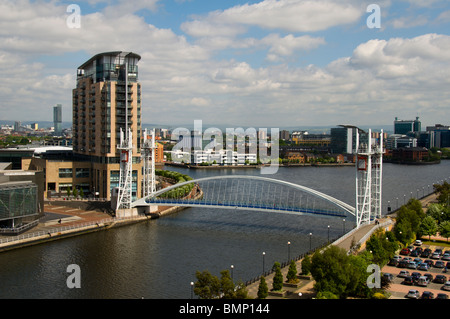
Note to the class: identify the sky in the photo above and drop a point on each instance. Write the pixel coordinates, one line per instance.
(266, 63)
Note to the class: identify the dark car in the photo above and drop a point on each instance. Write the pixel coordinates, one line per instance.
(408, 281)
(439, 264)
(393, 262)
(429, 276)
(429, 262)
(388, 277)
(441, 296)
(415, 276)
(402, 264)
(426, 253)
(440, 279)
(427, 295)
(415, 253)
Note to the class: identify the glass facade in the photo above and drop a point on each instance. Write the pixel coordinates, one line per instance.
(18, 200)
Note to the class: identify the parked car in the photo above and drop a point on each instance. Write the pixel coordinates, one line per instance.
(404, 273)
(435, 255)
(393, 262)
(423, 281)
(429, 276)
(405, 252)
(446, 257)
(413, 294)
(426, 253)
(441, 296)
(417, 260)
(446, 286)
(388, 277)
(439, 264)
(411, 265)
(402, 264)
(397, 257)
(429, 262)
(438, 250)
(427, 295)
(408, 281)
(415, 276)
(418, 242)
(423, 266)
(415, 253)
(440, 279)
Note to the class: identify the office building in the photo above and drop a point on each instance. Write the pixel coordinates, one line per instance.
(407, 126)
(57, 119)
(343, 139)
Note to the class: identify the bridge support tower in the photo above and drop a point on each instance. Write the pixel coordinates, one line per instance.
(369, 169)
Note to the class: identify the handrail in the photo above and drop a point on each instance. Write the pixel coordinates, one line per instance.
(65, 228)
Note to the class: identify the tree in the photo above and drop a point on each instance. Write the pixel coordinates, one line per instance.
(263, 290)
(277, 284)
(428, 226)
(444, 229)
(292, 273)
(226, 285)
(207, 286)
(335, 272)
(306, 265)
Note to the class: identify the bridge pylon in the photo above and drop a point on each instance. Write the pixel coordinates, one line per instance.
(369, 169)
(148, 160)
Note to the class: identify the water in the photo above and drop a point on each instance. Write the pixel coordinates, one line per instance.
(159, 258)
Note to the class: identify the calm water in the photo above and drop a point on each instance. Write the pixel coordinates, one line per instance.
(159, 258)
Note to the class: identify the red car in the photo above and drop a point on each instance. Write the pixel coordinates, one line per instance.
(405, 251)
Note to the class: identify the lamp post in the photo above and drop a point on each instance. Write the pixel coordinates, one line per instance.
(289, 250)
(343, 226)
(328, 233)
(192, 290)
(263, 255)
(232, 268)
(310, 236)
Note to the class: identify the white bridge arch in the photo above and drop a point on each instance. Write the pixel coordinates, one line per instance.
(152, 199)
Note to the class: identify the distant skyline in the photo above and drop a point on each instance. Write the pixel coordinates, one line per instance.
(270, 63)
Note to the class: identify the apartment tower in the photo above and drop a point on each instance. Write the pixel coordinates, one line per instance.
(107, 99)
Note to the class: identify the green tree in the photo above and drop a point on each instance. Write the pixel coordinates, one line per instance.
(277, 283)
(292, 273)
(306, 265)
(444, 229)
(335, 272)
(263, 290)
(226, 285)
(403, 231)
(207, 286)
(428, 227)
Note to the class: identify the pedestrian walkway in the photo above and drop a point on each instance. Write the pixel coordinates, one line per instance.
(305, 289)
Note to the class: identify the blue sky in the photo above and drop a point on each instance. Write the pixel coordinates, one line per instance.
(267, 63)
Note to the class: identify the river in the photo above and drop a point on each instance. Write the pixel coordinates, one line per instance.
(159, 258)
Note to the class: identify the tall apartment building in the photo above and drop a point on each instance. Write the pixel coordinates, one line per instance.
(57, 119)
(107, 98)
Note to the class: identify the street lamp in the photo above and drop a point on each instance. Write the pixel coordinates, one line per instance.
(263, 254)
(310, 236)
(343, 225)
(328, 233)
(232, 268)
(192, 290)
(289, 250)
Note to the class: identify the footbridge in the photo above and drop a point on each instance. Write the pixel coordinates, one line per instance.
(245, 192)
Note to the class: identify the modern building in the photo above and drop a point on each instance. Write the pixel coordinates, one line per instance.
(106, 100)
(439, 136)
(407, 126)
(21, 198)
(57, 119)
(343, 139)
(305, 138)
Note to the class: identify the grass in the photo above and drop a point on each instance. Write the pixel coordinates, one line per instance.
(436, 242)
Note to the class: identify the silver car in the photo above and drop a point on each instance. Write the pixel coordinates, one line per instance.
(413, 294)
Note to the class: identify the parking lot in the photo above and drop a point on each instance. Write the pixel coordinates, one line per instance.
(402, 283)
